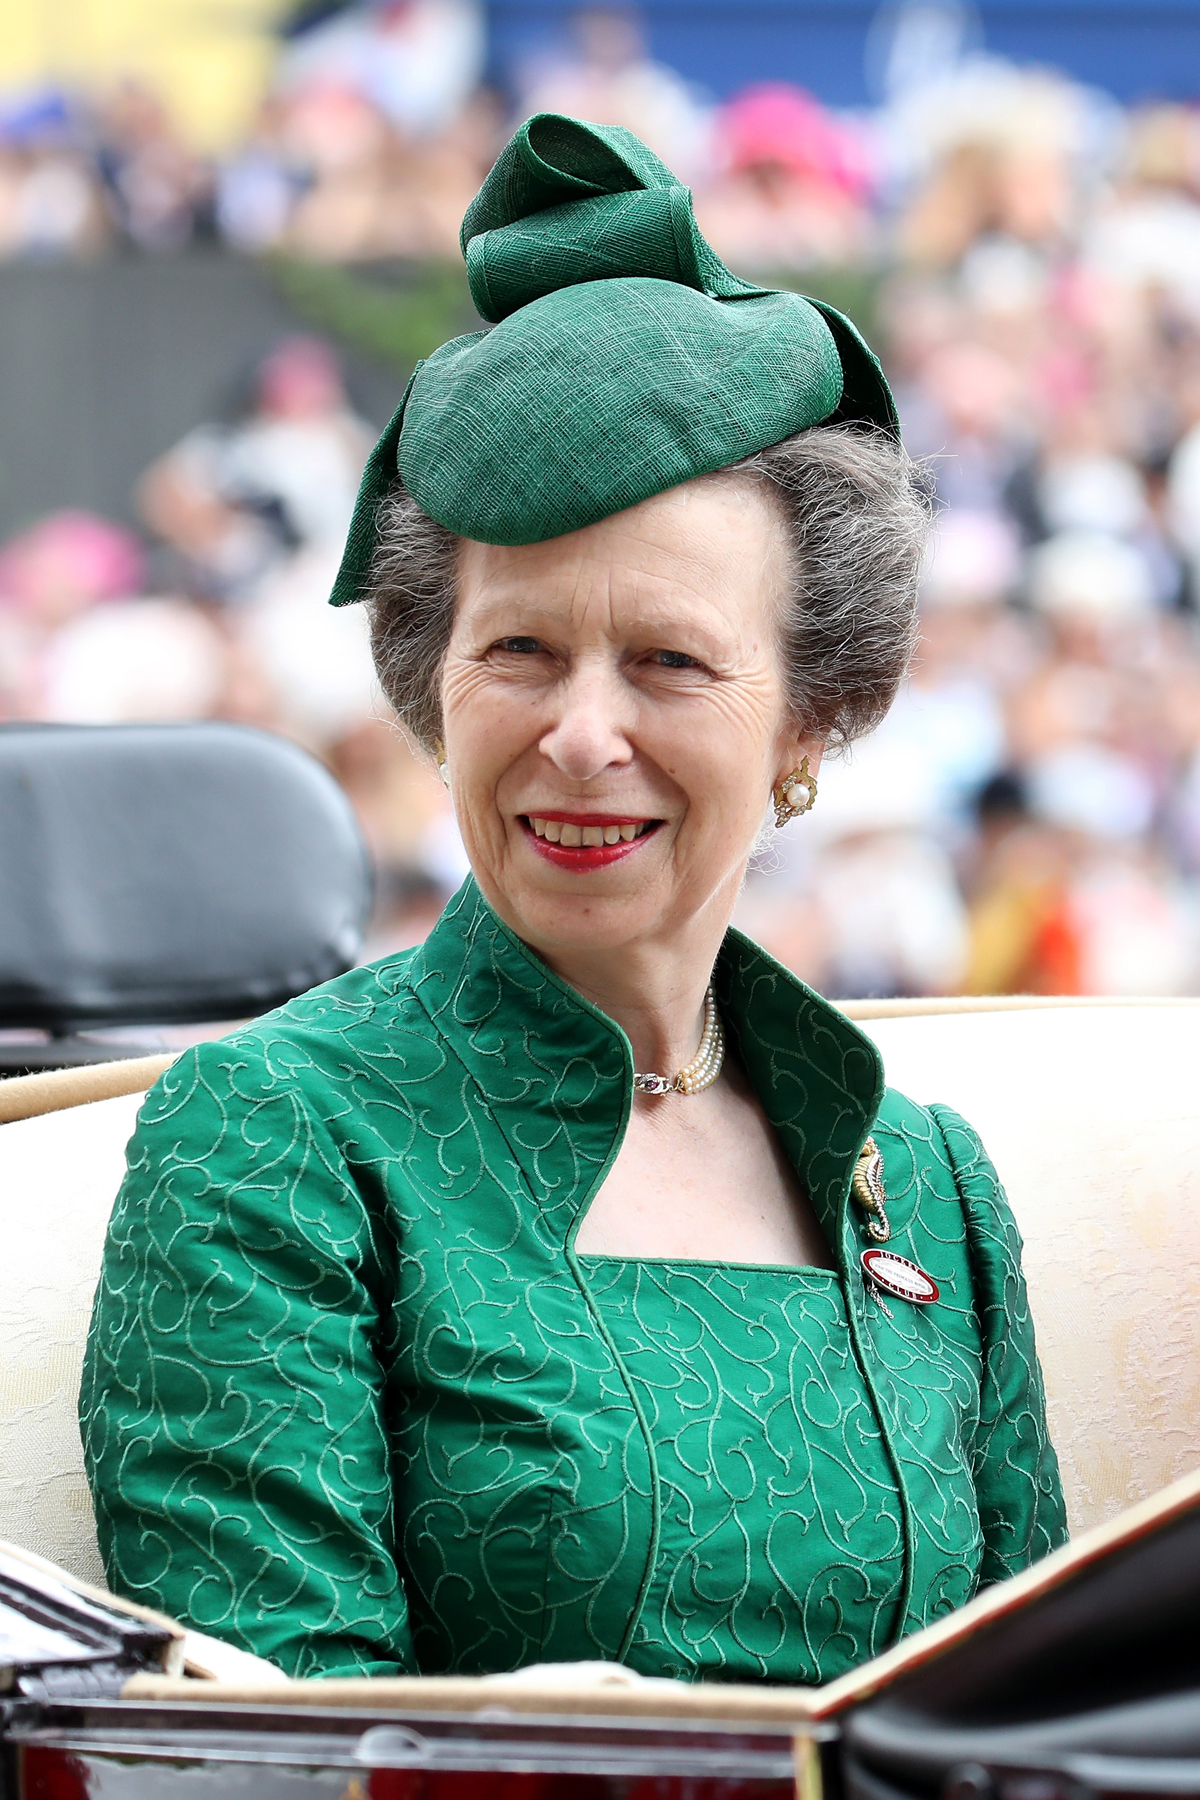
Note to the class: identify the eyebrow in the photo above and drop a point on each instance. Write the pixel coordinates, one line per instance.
(519, 613)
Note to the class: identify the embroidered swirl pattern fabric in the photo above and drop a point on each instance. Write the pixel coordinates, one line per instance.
(352, 1401)
(781, 1547)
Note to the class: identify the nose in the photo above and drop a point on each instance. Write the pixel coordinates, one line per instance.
(590, 732)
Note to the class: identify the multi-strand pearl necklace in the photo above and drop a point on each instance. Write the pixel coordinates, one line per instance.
(704, 1067)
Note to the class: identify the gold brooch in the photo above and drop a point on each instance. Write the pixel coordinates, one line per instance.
(867, 1185)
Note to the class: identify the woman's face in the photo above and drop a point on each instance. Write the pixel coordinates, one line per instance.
(614, 716)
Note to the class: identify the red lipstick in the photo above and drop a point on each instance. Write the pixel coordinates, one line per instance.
(585, 857)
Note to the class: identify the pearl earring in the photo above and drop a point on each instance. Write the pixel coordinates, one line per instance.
(796, 794)
(443, 771)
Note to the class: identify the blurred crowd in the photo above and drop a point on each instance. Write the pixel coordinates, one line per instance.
(375, 131)
(368, 142)
(1027, 819)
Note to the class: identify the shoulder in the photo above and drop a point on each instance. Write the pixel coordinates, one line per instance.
(358, 1009)
(288, 1115)
(934, 1139)
(942, 1185)
(934, 1158)
(327, 1054)
(951, 1156)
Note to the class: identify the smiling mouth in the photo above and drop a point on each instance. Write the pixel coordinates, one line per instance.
(586, 841)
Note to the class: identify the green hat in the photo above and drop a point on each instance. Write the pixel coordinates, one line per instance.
(623, 358)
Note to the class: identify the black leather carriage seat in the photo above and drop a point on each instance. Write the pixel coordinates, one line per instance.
(165, 875)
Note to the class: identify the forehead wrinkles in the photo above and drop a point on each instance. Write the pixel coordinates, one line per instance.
(615, 596)
(650, 572)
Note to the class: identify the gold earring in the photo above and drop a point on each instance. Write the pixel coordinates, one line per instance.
(796, 794)
(440, 752)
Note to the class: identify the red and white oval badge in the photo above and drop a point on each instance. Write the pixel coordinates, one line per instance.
(899, 1277)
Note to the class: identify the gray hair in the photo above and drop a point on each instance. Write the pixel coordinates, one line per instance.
(857, 513)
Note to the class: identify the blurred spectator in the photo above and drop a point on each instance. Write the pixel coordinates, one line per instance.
(65, 564)
(235, 502)
(606, 75)
(792, 188)
(76, 642)
(366, 146)
(418, 61)
(1146, 234)
(893, 917)
(1022, 936)
(327, 175)
(259, 185)
(52, 206)
(316, 662)
(256, 515)
(158, 191)
(337, 136)
(1055, 912)
(134, 660)
(50, 193)
(1183, 499)
(987, 150)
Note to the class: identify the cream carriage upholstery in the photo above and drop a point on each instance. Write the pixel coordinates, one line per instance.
(59, 1175)
(1092, 1117)
(1091, 1113)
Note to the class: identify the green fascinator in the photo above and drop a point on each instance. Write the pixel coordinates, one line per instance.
(623, 356)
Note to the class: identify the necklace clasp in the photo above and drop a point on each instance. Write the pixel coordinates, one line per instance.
(654, 1084)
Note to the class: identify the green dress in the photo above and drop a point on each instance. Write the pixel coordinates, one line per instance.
(353, 1401)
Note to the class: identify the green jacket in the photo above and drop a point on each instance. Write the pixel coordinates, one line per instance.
(352, 1401)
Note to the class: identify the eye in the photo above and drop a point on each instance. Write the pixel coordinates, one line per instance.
(674, 659)
(518, 646)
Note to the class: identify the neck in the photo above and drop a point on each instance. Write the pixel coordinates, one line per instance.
(655, 991)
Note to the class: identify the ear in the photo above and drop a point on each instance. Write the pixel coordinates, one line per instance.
(793, 748)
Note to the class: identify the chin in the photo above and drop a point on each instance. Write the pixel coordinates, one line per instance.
(578, 921)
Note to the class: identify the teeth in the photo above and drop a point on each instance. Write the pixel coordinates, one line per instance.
(588, 837)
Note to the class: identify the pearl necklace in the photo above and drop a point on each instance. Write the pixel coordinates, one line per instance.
(704, 1067)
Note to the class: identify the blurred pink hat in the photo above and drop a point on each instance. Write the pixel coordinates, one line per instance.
(773, 122)
(68, 561)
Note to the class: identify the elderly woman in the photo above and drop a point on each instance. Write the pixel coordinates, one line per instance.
(571, 1287)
